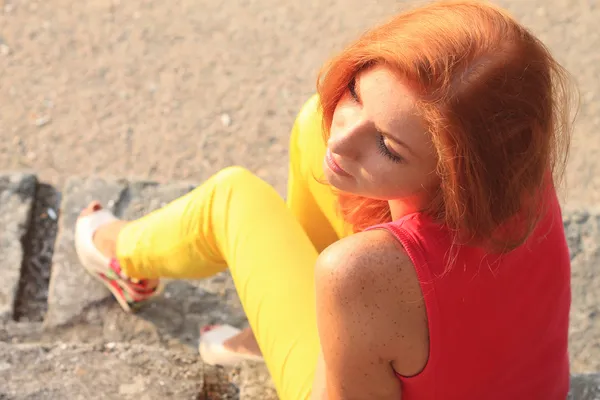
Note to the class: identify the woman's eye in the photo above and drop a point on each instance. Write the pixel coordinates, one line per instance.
(385, 151)
(352, 90)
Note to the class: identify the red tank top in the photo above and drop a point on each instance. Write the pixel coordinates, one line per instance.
(498, 327)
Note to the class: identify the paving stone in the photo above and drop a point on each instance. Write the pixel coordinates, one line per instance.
(175, 317)
(17, 192)
(585, 387)
(184, 304)
(66, 299)
(108, 371)
(582, 229)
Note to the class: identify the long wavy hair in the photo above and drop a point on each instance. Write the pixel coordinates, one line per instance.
(495, 102)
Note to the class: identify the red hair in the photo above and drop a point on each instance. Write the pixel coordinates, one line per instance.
(496, 105)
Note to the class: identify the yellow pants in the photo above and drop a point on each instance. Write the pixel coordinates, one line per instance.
(238, 221)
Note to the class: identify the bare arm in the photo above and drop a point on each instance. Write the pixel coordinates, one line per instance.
(371, 318)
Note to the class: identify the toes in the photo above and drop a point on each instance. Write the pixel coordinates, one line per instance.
(96, 206)
(207, 328)
(91, 208)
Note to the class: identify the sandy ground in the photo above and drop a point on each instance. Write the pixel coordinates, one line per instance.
(178, 89)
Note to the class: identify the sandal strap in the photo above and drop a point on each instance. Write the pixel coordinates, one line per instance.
(85, 229)
(140, 287)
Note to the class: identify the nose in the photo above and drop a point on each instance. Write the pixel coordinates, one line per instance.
(346, 139)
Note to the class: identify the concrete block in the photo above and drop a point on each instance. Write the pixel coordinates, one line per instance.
(582, 229)
(585, 387)
(17, 193)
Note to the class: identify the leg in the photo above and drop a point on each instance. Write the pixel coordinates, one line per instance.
(237, 220)
(310, 199)
(173, 242)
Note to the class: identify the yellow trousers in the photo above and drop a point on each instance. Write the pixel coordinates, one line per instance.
(237, 221)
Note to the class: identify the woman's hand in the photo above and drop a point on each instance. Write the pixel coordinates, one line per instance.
(371, 317)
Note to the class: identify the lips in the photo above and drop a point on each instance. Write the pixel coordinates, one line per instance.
(334, 166)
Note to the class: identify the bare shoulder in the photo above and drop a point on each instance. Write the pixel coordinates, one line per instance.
(368, 283)
(373, 256)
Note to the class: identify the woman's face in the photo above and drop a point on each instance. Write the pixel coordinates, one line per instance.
(379, 147)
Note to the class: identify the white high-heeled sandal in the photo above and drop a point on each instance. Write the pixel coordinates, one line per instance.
(130, 293)
(213, 352)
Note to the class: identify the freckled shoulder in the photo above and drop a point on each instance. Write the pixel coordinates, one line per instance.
(367, 287)
(365, 253)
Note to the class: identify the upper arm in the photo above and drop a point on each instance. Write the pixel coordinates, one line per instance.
(371, 317)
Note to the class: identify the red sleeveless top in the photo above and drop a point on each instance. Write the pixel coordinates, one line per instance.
(498, 327)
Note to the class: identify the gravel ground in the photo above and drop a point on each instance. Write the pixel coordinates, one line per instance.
(179, 89)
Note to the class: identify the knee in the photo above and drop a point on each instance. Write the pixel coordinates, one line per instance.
(237, 177)
(308, 119)
(240, 184)
(234, 172)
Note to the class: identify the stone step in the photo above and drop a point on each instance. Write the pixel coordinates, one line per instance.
(86, 371)
(32, 300)
(74, 296)
(249, 382)
(17, 193)
(585, 387)
(128, 200)
(582, 230)
(28, 211)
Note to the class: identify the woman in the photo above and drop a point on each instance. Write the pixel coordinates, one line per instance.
(420, 254)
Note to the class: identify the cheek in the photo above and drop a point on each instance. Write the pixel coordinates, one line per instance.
(383, 177)
(388, 180)
(397, 180)
(400, 184)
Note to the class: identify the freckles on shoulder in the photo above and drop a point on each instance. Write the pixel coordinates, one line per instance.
(368, 295)
(364, 261)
